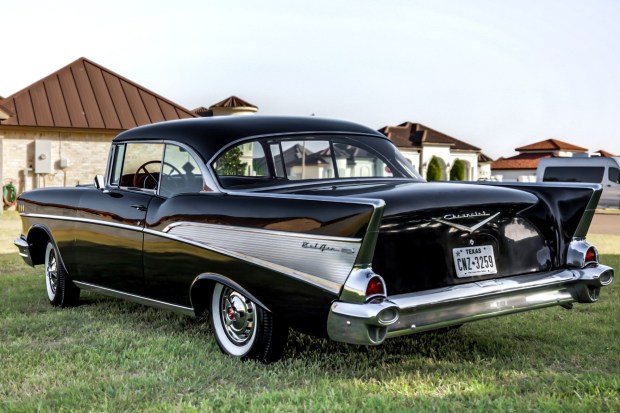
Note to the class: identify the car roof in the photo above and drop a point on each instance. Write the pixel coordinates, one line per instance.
(208, 135)
(578, 161)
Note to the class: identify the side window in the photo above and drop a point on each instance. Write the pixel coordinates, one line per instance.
(614, 175)
(355, 162)
(247, 159)
(574, 174)
(141, 165)
(307, 159)
(180, 173)
(245, 164)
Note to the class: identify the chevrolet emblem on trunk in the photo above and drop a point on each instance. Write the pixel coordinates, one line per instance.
(445, 220)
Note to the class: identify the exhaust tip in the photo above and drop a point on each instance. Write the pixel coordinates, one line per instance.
(606, 278)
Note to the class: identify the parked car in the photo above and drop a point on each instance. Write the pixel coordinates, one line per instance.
(600, 170)
(266, 223)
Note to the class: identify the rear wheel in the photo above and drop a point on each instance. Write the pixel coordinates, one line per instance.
(61, 292)
(244, 329)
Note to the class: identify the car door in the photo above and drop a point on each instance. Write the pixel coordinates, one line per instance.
(168, 266)
(109, 236)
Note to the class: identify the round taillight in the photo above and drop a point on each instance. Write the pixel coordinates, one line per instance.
(375, 287)
(591, 256)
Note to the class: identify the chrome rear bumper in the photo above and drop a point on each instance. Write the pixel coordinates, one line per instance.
(371, 323)
(24, 250)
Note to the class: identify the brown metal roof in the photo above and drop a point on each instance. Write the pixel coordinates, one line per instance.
(203, 112)
(521, 161)
(84, 94)
(604, 153)
(551, 145)
(415, 135)
(233, 102)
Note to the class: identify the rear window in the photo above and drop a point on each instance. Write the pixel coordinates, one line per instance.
(277, 160)
(593, 174)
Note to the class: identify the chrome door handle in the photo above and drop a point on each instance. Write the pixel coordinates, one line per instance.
(139, 207)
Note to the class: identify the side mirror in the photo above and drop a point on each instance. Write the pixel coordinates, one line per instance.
(99, 184)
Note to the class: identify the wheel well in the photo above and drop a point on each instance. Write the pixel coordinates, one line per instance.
(202, 289)
(37, 239)
(201, 295)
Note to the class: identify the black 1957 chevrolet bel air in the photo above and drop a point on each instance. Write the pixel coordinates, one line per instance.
(266, 223)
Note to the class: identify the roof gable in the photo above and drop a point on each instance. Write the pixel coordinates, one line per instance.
(604, 153)
(84, 94)
(416, 135)
(521, 161)
(233, 102)
(551, 145)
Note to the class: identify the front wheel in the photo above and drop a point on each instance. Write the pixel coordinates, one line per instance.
(244, 329)
(61, 292)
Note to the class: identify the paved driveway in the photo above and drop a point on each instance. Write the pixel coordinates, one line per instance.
(605, 224)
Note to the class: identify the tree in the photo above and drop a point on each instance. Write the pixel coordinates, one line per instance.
(230, 163)
(433, 173)
(457, 172)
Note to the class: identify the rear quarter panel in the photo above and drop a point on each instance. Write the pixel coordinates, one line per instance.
(292, 254)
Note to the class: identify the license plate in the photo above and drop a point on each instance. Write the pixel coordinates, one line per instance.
(472, 261)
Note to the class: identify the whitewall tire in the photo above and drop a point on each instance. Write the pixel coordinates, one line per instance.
(61, 291)
(243, 329)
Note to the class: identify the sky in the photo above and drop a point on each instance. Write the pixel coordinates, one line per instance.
(495, 74)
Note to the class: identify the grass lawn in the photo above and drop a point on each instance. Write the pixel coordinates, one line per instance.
(111, 355)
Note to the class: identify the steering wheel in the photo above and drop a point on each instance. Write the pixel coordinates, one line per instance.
(137, 175)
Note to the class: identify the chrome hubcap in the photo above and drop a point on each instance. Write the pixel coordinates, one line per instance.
(52, 272)
(238, 316)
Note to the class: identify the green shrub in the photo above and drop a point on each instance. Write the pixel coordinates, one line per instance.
(433, 173)
(457, 172)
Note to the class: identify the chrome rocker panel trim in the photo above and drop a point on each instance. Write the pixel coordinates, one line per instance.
(428, 310)
(135, 298)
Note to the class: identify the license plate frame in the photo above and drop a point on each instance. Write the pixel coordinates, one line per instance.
(474, 261)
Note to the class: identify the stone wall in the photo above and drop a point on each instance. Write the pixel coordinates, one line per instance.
(85, 153)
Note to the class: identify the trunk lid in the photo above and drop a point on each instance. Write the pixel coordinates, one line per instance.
(439, 234)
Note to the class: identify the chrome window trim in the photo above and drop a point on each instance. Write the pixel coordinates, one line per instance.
(208, 178)
(108, 168)
(286, 135)
(318, 134)
(135, 298)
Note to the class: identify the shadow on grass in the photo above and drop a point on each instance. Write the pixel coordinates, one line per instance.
(468, 344)
(551, 339)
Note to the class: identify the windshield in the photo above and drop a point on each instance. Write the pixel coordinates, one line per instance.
(273, 160)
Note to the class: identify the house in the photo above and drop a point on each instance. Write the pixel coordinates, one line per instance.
(57, 131)
(522, 167)
(419, 144)
(484, 167)
(603, 153)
